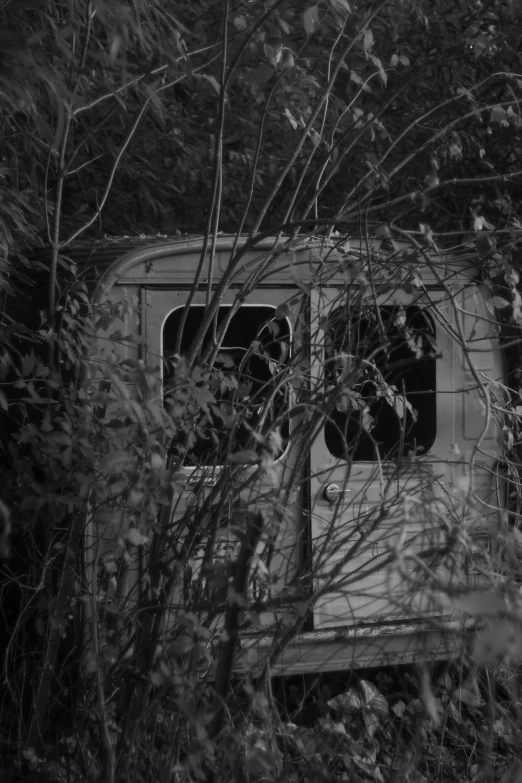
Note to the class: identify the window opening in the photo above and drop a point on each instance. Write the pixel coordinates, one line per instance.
(372, 414)
(254, 352)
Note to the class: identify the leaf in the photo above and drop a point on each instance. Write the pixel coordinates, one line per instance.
(431, 181)
(272, 470)
(420, 200)
(513, 772)
(225, 360)
(273, 53)
(117, 461)
(28, 363)
(282, 311)
(383, 232)
(368, 40)
(361, 82)
(155, 100)
(240, 23)
(311, 19)
(60, 122)
(259, 75)
(91, 662)
(382, 73)
(133, 536)
(287, 60)
(430, 702)
(115, 47)
(479, 604)
(117, 336)
(398, 402)
(110, 653)
(499, 302)
(373, 698)
(110, 564)
(182, 645)
(3, 401)
(198, 375)
(371, 721)
(247, 457)
(348, 703)
(157, 463)
(480, 222)
(367, 420)
(275, 442)
(107, 516)
(399, 709)
(499, 639)
(468, 697)
(353, 271)
(484, 244)
(259, 758)
(427, 231)
(291, 119)
(316, 138)
(342, 7)
(498, 114)
(213, 81)
(203, 396)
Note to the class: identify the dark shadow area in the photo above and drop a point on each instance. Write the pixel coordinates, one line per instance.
(406, 362)
(254, 351)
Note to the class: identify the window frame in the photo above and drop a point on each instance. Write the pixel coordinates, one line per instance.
(203, 469)
(389, 451)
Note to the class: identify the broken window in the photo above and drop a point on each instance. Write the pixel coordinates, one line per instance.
(249, 397)
(386, 408)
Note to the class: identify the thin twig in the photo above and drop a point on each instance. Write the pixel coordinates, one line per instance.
(110, 180)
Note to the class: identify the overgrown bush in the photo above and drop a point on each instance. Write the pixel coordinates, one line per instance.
(152, 523)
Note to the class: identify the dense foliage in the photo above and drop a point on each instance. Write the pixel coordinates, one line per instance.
(324, 123)
(419, 122)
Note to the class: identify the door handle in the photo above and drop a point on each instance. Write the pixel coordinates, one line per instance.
(332, 492)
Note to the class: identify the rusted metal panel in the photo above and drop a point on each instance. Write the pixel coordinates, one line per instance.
(356, 648)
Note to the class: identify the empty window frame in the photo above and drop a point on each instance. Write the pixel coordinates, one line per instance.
(396, 356)
(254, 352)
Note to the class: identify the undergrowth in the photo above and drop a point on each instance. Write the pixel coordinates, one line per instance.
(449, 723)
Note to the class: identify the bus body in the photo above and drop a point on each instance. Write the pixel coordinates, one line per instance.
(352, 536)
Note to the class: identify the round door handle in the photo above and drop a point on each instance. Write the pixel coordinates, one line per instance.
(332, 492)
